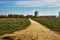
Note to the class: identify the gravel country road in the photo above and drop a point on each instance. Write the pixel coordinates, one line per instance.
(35, 31)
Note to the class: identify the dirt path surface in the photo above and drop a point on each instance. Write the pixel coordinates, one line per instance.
(35, 31)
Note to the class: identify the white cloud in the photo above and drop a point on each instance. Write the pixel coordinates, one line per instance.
(46, 0)
(39, 3)
(33, 3)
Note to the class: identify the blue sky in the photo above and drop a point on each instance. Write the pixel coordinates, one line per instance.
(28, 7)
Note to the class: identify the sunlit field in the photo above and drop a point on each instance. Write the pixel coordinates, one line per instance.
(9, 25)
(52, 23)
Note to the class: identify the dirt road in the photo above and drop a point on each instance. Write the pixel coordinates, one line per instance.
(35, 31)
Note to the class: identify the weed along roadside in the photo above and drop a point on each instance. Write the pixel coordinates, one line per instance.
(51, 23)
(10, 25)
(35, 31)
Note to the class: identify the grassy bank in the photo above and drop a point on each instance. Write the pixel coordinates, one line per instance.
(9, 25)
(52, 23)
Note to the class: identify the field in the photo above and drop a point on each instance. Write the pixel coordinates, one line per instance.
(52, 23)
(9, 25)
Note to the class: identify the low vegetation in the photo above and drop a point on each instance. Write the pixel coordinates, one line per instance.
(52, 23)
(9, 25)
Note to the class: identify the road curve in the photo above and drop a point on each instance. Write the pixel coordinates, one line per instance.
(35, 31)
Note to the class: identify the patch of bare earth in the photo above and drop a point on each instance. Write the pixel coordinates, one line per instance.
(35, 31)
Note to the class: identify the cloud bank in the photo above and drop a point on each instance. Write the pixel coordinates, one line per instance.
(34, 3)
(46, 3)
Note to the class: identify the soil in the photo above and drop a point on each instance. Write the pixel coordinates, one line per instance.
(35, 31)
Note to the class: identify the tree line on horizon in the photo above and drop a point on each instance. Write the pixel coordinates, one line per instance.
(36, 13)
(22, 16)
(15, 16)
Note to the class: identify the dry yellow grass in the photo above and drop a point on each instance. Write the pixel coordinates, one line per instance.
(35, 31)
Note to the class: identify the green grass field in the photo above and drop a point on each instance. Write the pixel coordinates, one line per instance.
(52, 23)
(9, 25)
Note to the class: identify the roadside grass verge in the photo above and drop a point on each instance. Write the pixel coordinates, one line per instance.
(51, 23)
(9, 25)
